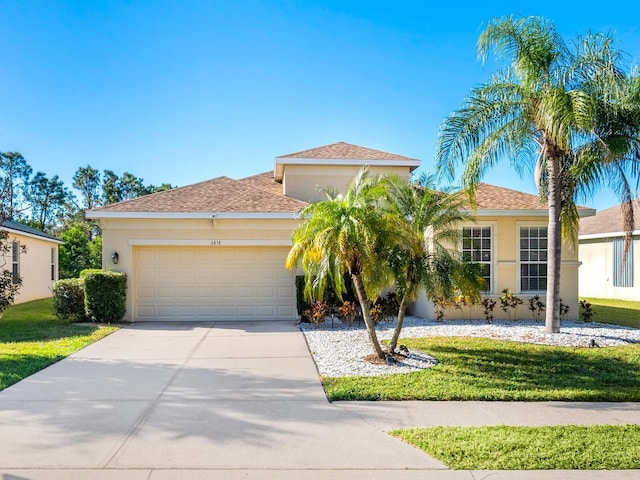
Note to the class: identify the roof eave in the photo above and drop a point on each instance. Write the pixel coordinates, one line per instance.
(32, 235)
(280, 162)
(193, 215)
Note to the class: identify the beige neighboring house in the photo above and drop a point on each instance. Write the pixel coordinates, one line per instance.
(216, 250)
(603, 273)
(38, 265)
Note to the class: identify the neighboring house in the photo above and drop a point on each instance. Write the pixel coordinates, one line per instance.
(38, 265)
(217, 249)
(606, 272)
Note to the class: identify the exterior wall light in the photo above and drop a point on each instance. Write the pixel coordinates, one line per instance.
(115, 257)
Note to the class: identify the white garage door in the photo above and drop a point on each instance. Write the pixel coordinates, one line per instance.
(213, 283)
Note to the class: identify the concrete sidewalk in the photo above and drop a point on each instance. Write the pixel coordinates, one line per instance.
(227, 401)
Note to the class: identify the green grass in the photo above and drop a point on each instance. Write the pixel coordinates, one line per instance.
(566, 447)
(619, 312)
(32, 338)
(486, 369)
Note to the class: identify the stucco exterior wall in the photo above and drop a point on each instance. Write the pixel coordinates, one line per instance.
(302, 181)
(123, 235)
(35, 267)
(506, 268)
(596, 271)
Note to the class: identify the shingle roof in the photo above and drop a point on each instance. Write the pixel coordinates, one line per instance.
(264, 181)
(608, 221)
(346, 151)
(492, 197)
(19, 227)
(222, 194)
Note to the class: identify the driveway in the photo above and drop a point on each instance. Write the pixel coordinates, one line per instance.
(156, 401)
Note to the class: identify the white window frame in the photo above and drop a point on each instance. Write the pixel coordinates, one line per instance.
(494, 237)
(519, 226)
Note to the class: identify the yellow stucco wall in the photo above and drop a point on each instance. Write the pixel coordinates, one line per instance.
(122, 235)
(302, 181)
(596, 271)
(506, 270)
(35, 267)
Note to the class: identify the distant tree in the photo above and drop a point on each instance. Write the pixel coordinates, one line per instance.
(87, 181)
(128, 186)
(131, 186)
(78, 251)
(111, 187)
(159, 188)
(47, 200)
(15, 175)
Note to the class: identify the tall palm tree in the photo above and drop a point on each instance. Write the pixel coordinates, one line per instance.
(430, 222)
(343, 234)
(548, 107)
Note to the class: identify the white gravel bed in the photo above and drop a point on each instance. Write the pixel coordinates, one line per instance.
(340, 350)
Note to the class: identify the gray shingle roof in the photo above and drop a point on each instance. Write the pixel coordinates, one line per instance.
(608, 221)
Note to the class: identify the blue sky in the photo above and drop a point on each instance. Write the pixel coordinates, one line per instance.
(182, 91)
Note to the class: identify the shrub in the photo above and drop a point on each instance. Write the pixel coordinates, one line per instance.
(586, 311)
(536, 306)
(489, 304)
(68, 299)
(509, 301)
(87, 271)
(105, 296)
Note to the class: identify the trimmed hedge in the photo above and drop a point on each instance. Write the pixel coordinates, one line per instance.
(105, 296)
(68, 299)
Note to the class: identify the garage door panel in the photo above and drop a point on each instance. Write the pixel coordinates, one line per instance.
(212, 283)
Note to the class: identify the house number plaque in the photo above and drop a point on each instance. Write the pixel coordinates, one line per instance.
(216, 242)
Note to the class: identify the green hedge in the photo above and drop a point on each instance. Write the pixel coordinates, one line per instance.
(105, 296)
(68, 299)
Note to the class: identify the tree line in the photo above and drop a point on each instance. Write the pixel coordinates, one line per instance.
(45, 203)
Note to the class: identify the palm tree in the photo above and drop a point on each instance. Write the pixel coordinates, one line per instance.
(430, 221)
(343, 234)
(549, 107)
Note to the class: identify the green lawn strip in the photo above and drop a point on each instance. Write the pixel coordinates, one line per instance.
(619, 312)
(487, 369)
(32, 338)
(564, 447)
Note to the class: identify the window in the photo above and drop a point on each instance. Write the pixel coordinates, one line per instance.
(477, 248)
(622, 273)
(53, 264)
(15, 261)
(533, 258)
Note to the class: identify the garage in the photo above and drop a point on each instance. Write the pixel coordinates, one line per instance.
(204, 283)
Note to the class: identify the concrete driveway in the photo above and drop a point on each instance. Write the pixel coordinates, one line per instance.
(234, 401)
(191, 401)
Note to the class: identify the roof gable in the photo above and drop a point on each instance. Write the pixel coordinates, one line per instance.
(218, 195)
(346, 151)
(342, 153)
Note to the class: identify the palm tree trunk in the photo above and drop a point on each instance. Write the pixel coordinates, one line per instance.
(554, 249)
(401, 314)
(366, 313)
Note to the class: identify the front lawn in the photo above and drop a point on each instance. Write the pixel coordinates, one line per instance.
(618, 312)
(486, 369)
(32, 338)
(564, 447)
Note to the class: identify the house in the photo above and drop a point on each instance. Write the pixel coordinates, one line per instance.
(216, 249)
(33, 256)
(606, 272)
